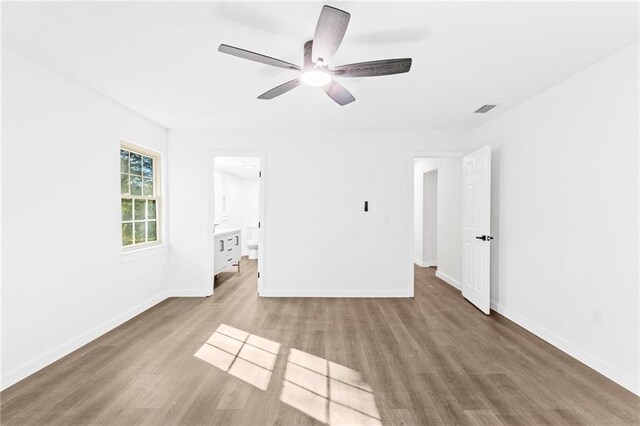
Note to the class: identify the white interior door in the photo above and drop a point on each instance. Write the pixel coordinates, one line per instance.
(476, 213)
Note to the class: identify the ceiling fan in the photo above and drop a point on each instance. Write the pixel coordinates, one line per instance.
(330, 29)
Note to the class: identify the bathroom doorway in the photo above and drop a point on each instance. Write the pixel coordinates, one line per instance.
(236, 212)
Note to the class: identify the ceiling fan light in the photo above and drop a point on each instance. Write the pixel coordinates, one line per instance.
(315, 78)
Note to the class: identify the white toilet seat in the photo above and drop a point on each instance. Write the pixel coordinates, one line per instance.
(252, 245)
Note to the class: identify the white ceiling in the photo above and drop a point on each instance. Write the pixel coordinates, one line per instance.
(160, 59)
(242, 167)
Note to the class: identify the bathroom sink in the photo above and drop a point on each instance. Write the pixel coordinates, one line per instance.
(222, 231)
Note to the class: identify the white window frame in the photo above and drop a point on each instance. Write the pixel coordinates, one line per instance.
(157, 196)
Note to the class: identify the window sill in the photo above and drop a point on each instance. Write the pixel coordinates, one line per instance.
(141, 253)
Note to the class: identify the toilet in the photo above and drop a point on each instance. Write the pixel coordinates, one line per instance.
(252, 243)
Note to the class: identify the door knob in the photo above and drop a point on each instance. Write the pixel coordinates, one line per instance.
(485, 238)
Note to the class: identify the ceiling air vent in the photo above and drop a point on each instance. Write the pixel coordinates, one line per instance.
(484, 109)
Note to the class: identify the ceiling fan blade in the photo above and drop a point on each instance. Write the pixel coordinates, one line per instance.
(338, 93)
(253, 56)
(279, 90)
(373, 68)
(332, 24)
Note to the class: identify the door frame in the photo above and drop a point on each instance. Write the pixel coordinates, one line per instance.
(412, 157)
(262, 155)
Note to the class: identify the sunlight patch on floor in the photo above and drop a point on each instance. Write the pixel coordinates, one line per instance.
(246, 356)
(216, 357)
(330, 393)
(301, 399)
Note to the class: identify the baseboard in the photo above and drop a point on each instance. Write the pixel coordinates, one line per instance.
(447, 279)
(337, 293)
(620, 377)
(425, 264)
(30, 367)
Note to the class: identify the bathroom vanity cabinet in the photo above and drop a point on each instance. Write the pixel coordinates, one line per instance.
(227, 249)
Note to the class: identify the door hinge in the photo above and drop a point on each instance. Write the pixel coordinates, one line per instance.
(259, 174)
(258, 224)
(258, 274)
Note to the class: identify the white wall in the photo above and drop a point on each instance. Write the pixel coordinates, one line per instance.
(318, 239)
(242, 204)
(565, 215)
(64, 281)
(449, 211)
(250, 210)
(229, 186)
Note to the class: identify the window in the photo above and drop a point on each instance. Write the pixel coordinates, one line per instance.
(139, 188)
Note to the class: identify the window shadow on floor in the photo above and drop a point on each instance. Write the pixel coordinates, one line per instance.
(246, 356)
(330, 393)
(326, 391)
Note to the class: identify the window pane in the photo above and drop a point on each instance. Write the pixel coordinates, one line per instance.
(151, 209)
(124, 183)
(140, 232)
(151, 231)
(135, 164)
(127, 213)
(139, 209)
(148, 186)
(124, 161)
(139, 216)
(147, 166)
(136, 185)
(127, 234)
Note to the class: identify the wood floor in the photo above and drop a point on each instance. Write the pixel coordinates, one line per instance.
(433, 359)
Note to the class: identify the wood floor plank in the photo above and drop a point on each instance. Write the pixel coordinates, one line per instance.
(434, 359)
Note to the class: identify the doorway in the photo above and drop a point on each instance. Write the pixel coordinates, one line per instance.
(437, 217)
(236, 246)
(463, 222)
(428, 250)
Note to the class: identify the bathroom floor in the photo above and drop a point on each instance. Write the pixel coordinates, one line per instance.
(230, 275)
